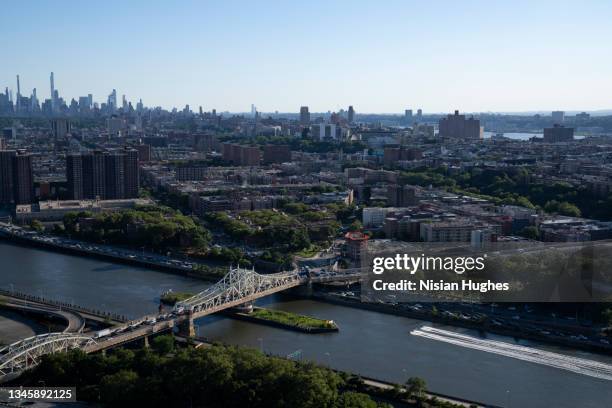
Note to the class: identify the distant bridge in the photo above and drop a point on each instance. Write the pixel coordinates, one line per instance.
(26, 353)
(237, 287)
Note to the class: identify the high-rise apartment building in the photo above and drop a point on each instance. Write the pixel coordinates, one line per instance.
(115, 176)
(74, 176)
(204, 142)
(6, 176)
(351, 114)
(103, 175)
(458, 127)
(241, 155)
(60, 127)
(408, 116)
(144, 152)
(276, 154)
(401, 196)
(558, 117)
(558, 134)
(132, 176)
(304, 116)
(94, 182)
(23, 181)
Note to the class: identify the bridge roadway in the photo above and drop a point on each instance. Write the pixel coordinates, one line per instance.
(75, 323)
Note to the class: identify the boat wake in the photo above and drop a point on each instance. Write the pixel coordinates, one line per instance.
(573, 364)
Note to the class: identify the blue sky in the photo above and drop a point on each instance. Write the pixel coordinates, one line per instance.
(380, 56)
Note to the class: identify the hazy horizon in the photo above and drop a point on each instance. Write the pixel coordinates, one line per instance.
(380, 57)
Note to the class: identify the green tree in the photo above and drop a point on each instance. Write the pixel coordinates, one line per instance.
(355, 400)
(37, 226)
(163, 344)
(118, 389)
(416, 387)
(530, 232)
(355, 226)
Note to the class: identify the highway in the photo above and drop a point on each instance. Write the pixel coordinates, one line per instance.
(75, 323)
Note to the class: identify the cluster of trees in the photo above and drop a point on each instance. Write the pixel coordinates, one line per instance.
(304, 144)
(265, 228)
(159, 228)
(296, 229)
(227, 254)
(282, 259)
(219, 376)
(516, 187)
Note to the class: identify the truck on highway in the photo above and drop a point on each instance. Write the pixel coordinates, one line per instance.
(102, 333)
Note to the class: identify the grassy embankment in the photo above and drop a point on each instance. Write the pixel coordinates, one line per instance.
(292, 319)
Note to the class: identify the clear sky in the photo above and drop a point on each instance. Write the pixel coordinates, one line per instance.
(380, 56)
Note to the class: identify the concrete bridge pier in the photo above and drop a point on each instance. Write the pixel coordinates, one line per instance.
(186, 327)
(245, 307)
(146, 341)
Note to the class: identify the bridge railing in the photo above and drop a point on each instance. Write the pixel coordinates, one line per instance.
(26, 353)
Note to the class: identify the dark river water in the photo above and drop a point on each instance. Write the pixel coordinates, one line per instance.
(369, 343)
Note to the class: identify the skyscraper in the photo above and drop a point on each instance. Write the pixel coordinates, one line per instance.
(34, 107)
(351, 114)
(94, 181)
(53, 100)
(60, 127)
(23, 182)
(132, 183)
(408, 116)
(18, 102)
(112, 101)
(558, 117)
(304, 116)
(74, 176)
(6, 176)
(115, 175)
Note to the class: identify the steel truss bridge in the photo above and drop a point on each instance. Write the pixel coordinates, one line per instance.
(237, 287)
(26, 353)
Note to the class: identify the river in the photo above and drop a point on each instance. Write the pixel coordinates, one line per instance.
(370, 343)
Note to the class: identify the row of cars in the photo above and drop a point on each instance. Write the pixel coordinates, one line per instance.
(147, 321)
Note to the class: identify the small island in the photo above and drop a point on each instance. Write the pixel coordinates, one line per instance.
(287, 320)
(170, 298)
(269, 317)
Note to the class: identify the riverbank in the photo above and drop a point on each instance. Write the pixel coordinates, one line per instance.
(19, 236)
(286, 320)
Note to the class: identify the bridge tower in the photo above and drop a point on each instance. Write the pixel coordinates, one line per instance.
(186, 327)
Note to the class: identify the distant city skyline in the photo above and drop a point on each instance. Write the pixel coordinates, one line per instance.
(377, 57)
